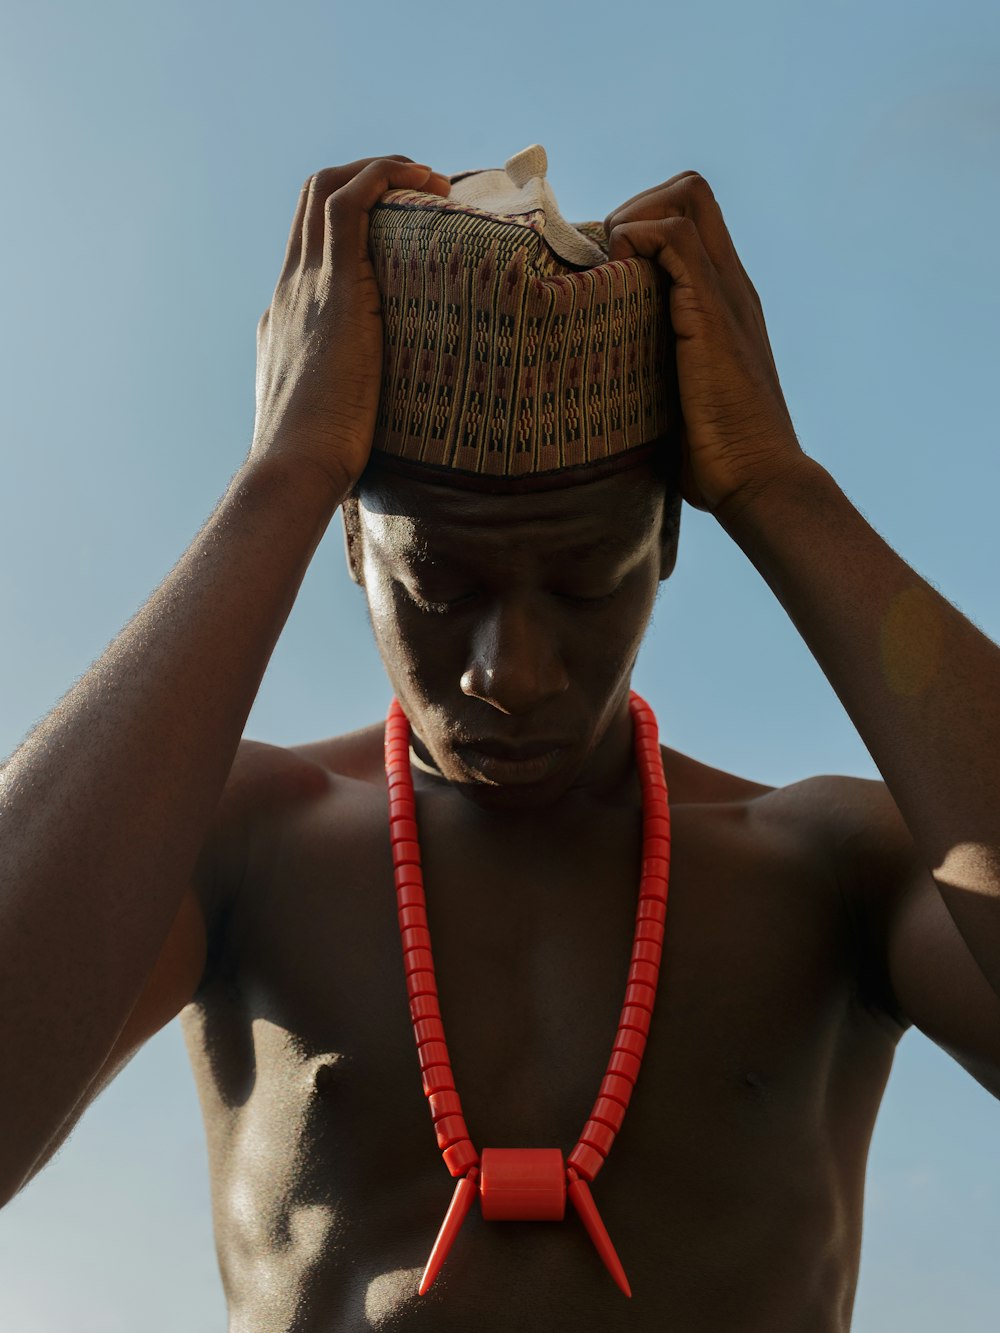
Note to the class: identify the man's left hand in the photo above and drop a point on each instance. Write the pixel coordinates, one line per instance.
(738, 434)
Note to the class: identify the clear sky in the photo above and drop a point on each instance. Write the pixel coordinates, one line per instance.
(152, 160)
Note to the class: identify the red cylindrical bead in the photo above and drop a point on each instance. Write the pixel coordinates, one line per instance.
(437, 1079)
(416, 937)
(624, 1064)
(412, 916)
(635, 1016)
(652, 909)
(449, 1129)
(656, 828)
(410, 895)
(421, 983)
(628, 1039)
(598, 1135)
(654, 867)
(588, 1161)
(636, 992)
(433, 1053)
(418, 960)
(444, 1103)
(649, 931)
(459, 1157)
(613, 1085)
(428, 1029)
(425, 1006)
(647, 951)
(647, 973)
(609, 1111)
(404, 828)
(522, 1185)
(406, 853)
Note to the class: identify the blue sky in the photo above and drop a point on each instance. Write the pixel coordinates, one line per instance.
(153, 158)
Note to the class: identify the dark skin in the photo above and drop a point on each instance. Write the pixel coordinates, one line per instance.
(808, 926)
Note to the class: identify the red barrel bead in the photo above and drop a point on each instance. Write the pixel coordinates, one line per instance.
(655, 866)
(613, 1085)
(410, 895)
(587, 1160)
(625, 1064)
(428, 1029)
(647, 951)
(656, 828)
(416, 937)
(406, 853)
(421, 983)
(460, 1157)
(649, 931)
(522, 1185)
(418, 960)
(437, 1079)
(647, 973)
(425, 1006)
(635, 1016)
(627, 1039)
(412, 916)
(636, 992)
(444, 1103)
(652, 909)
(598, 1135)
(610, 1112)
(404, 829)
(432, 1053)
(450, 1129)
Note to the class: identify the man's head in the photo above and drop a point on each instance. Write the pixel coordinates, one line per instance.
(521, 506)
(511, 620)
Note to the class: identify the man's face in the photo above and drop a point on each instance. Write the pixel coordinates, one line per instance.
(507, 622)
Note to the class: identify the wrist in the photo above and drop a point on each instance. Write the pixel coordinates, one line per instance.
(762, 499)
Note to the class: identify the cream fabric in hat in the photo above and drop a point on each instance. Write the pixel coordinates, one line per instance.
(514, 350)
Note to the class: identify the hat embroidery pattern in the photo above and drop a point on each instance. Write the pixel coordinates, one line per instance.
(502, 358)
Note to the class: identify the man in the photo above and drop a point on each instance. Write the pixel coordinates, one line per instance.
(154, 862)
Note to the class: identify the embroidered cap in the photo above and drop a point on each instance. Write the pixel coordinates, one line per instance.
(516, 355)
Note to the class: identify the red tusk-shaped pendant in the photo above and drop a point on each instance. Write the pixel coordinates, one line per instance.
(461, 1201)
(583, 1202)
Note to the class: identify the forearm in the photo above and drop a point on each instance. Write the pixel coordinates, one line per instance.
(919, 681)
(105, 807)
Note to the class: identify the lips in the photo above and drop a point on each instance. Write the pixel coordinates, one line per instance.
(508, 750)
(529, 764)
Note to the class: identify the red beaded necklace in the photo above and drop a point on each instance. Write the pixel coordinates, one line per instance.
(529, 1184)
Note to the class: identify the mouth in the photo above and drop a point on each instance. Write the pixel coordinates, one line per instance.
(513, 765)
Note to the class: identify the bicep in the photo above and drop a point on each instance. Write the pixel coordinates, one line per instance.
(937, 982)
(172, 982)
(926, 967)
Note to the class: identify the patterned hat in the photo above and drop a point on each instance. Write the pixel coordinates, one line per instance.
(516, 355)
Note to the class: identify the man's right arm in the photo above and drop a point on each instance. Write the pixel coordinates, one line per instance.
(106, 807)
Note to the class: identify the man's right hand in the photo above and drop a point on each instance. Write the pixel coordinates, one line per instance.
(319, 343)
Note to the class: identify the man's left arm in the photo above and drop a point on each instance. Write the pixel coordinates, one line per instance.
(920, 682)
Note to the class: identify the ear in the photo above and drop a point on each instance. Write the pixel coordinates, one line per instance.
(352, 539)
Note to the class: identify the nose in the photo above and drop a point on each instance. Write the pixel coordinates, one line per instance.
(515, 664)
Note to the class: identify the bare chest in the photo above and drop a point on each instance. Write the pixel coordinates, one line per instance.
(752, 1045)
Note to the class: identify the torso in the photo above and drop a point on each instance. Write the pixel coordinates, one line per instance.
(733, 1193)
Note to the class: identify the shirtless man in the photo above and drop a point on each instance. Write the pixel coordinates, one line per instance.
(154, 863)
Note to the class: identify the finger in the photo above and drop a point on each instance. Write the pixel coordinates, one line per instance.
(687, 196)
(332, 179)
(675, 245)
(654, 189)
(346, 209)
